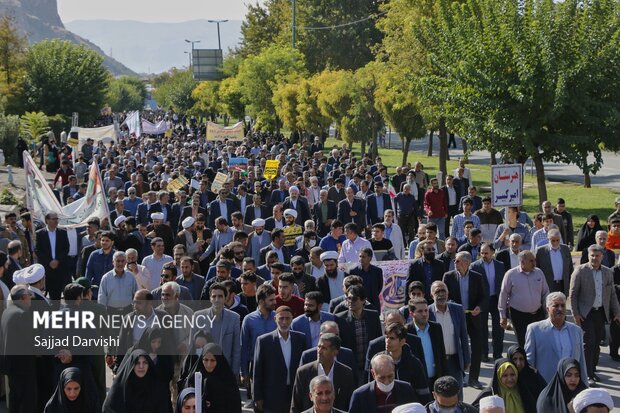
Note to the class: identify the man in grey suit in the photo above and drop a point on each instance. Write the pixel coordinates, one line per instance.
(223, 325)
(555, 262)
(322, 395)
(342, 376)
(542, 349)
(592, 300)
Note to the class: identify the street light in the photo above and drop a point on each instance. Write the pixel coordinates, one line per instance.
(192, 42)
(219, 43)
(189, 54)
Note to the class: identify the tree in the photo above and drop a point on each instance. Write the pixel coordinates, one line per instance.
(309, 115)
(334, 98)
(176, 90)
(9, 131)
(231, 98)
(399, 106)
(265, 26)
(12, 48)
(285, 100)
(126, 94)
(365, 107)
(62, 78)
(258, 78)
(535, 74)
(33, 125)
(206, 97)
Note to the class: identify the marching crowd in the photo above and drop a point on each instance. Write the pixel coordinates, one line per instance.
(286, 269)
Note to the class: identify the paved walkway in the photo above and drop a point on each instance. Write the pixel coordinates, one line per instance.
(609, 174)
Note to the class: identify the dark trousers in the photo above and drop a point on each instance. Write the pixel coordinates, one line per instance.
(521, 320)
(409, 225)
(614, 342)
(454, 370)
(474, 331)
(497, 332)
(594, 331)
(557, 286)
(451, 141)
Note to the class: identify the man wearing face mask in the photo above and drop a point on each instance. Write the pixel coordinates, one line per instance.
(426, 270)
(384, 393)
(308, 241)
(446, 394)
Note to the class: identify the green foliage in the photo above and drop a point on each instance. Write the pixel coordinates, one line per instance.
(334, 97)
(530, 78)
(126, 94)
(7, 198)
(231, 98)
(265, 25)
(63, 78)
(206, 96)
(258, 78)
(59, 123)
(175, 90)
(33, 125)
(9, 131)
(309, 116)
(285, 100)
(12, 49)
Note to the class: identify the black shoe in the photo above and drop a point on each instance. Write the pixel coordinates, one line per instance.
(595, 377)
(475, 384)
(615, 357)
(592, 383)
(486, 359)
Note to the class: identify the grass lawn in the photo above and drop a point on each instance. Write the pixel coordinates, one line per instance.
(580, 201)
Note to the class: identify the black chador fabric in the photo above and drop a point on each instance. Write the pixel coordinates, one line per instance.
(86, 402)
(557, 395)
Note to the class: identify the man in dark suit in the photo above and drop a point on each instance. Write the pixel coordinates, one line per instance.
(144, 209)
(426, 269)
(547, 258)
(384, 392)
(276, 220)
(222, 207)
(52, 250)
(371, 275)
(322, 395)
(352, 209)
(177, 209)
(377, 203)
(255, 210)
(279, 195)
(192, 210)
(277, 245)
(70, 189)
(299, 204)
(447, 257)
(435, 354)
(609, 257)
(347, 321)
(467, 288)
(345, 355)
(324, 213)
(492, 275)
(119, 210)
(274, 375)
(342, 376)
(510, 256)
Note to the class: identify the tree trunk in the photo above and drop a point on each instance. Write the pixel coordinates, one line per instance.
(363, 144)
(443, 146)
(430, 144)
(406, 143)
(493, 158)
(465, 155)
(540, 178)
(587, 182)
(375, 146)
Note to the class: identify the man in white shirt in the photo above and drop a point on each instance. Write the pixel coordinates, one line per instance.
(353, 245)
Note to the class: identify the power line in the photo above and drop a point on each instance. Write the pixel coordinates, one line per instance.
(372, 16)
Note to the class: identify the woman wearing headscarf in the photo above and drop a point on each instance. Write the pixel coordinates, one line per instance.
(587, 233)
(138, 388)
(199, 340)
(186, 402)
(529, 378)
(73, 394)
(505, 385)
(564, 386)
(153, 342)
(220, 392)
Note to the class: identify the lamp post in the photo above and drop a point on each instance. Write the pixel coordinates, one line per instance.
(189, 55)
(219, 43)
(192, 53)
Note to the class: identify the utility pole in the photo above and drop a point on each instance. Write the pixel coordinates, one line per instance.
(294, 22)
(219, 43)
(192, 55)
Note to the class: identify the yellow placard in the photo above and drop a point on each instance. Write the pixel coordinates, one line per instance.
(218, 182)
(177, 184)
(233, 133)
(168, 133)
(271, 169)
(72, 142)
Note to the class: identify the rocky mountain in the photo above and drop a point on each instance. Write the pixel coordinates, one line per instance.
(155, 47)
(39, 20)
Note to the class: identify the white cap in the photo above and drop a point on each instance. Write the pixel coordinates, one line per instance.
(291, 212)
(157, 215)
(589, 397)
(119, 220)
(293, 188)
(258, 222)
(491, 401)
(29, 275)
(410, 408)
(188, 222)
(329, 255)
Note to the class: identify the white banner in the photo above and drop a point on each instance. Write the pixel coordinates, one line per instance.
(149, 128)
(40, 199)
(507, 185)
(133, 123)
(107, 134)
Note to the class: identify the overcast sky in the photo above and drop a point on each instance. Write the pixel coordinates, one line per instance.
(152, 10)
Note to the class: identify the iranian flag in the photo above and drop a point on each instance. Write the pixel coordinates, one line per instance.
(391, 189)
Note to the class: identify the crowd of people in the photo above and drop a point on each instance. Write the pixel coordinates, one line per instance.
(286, 270)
